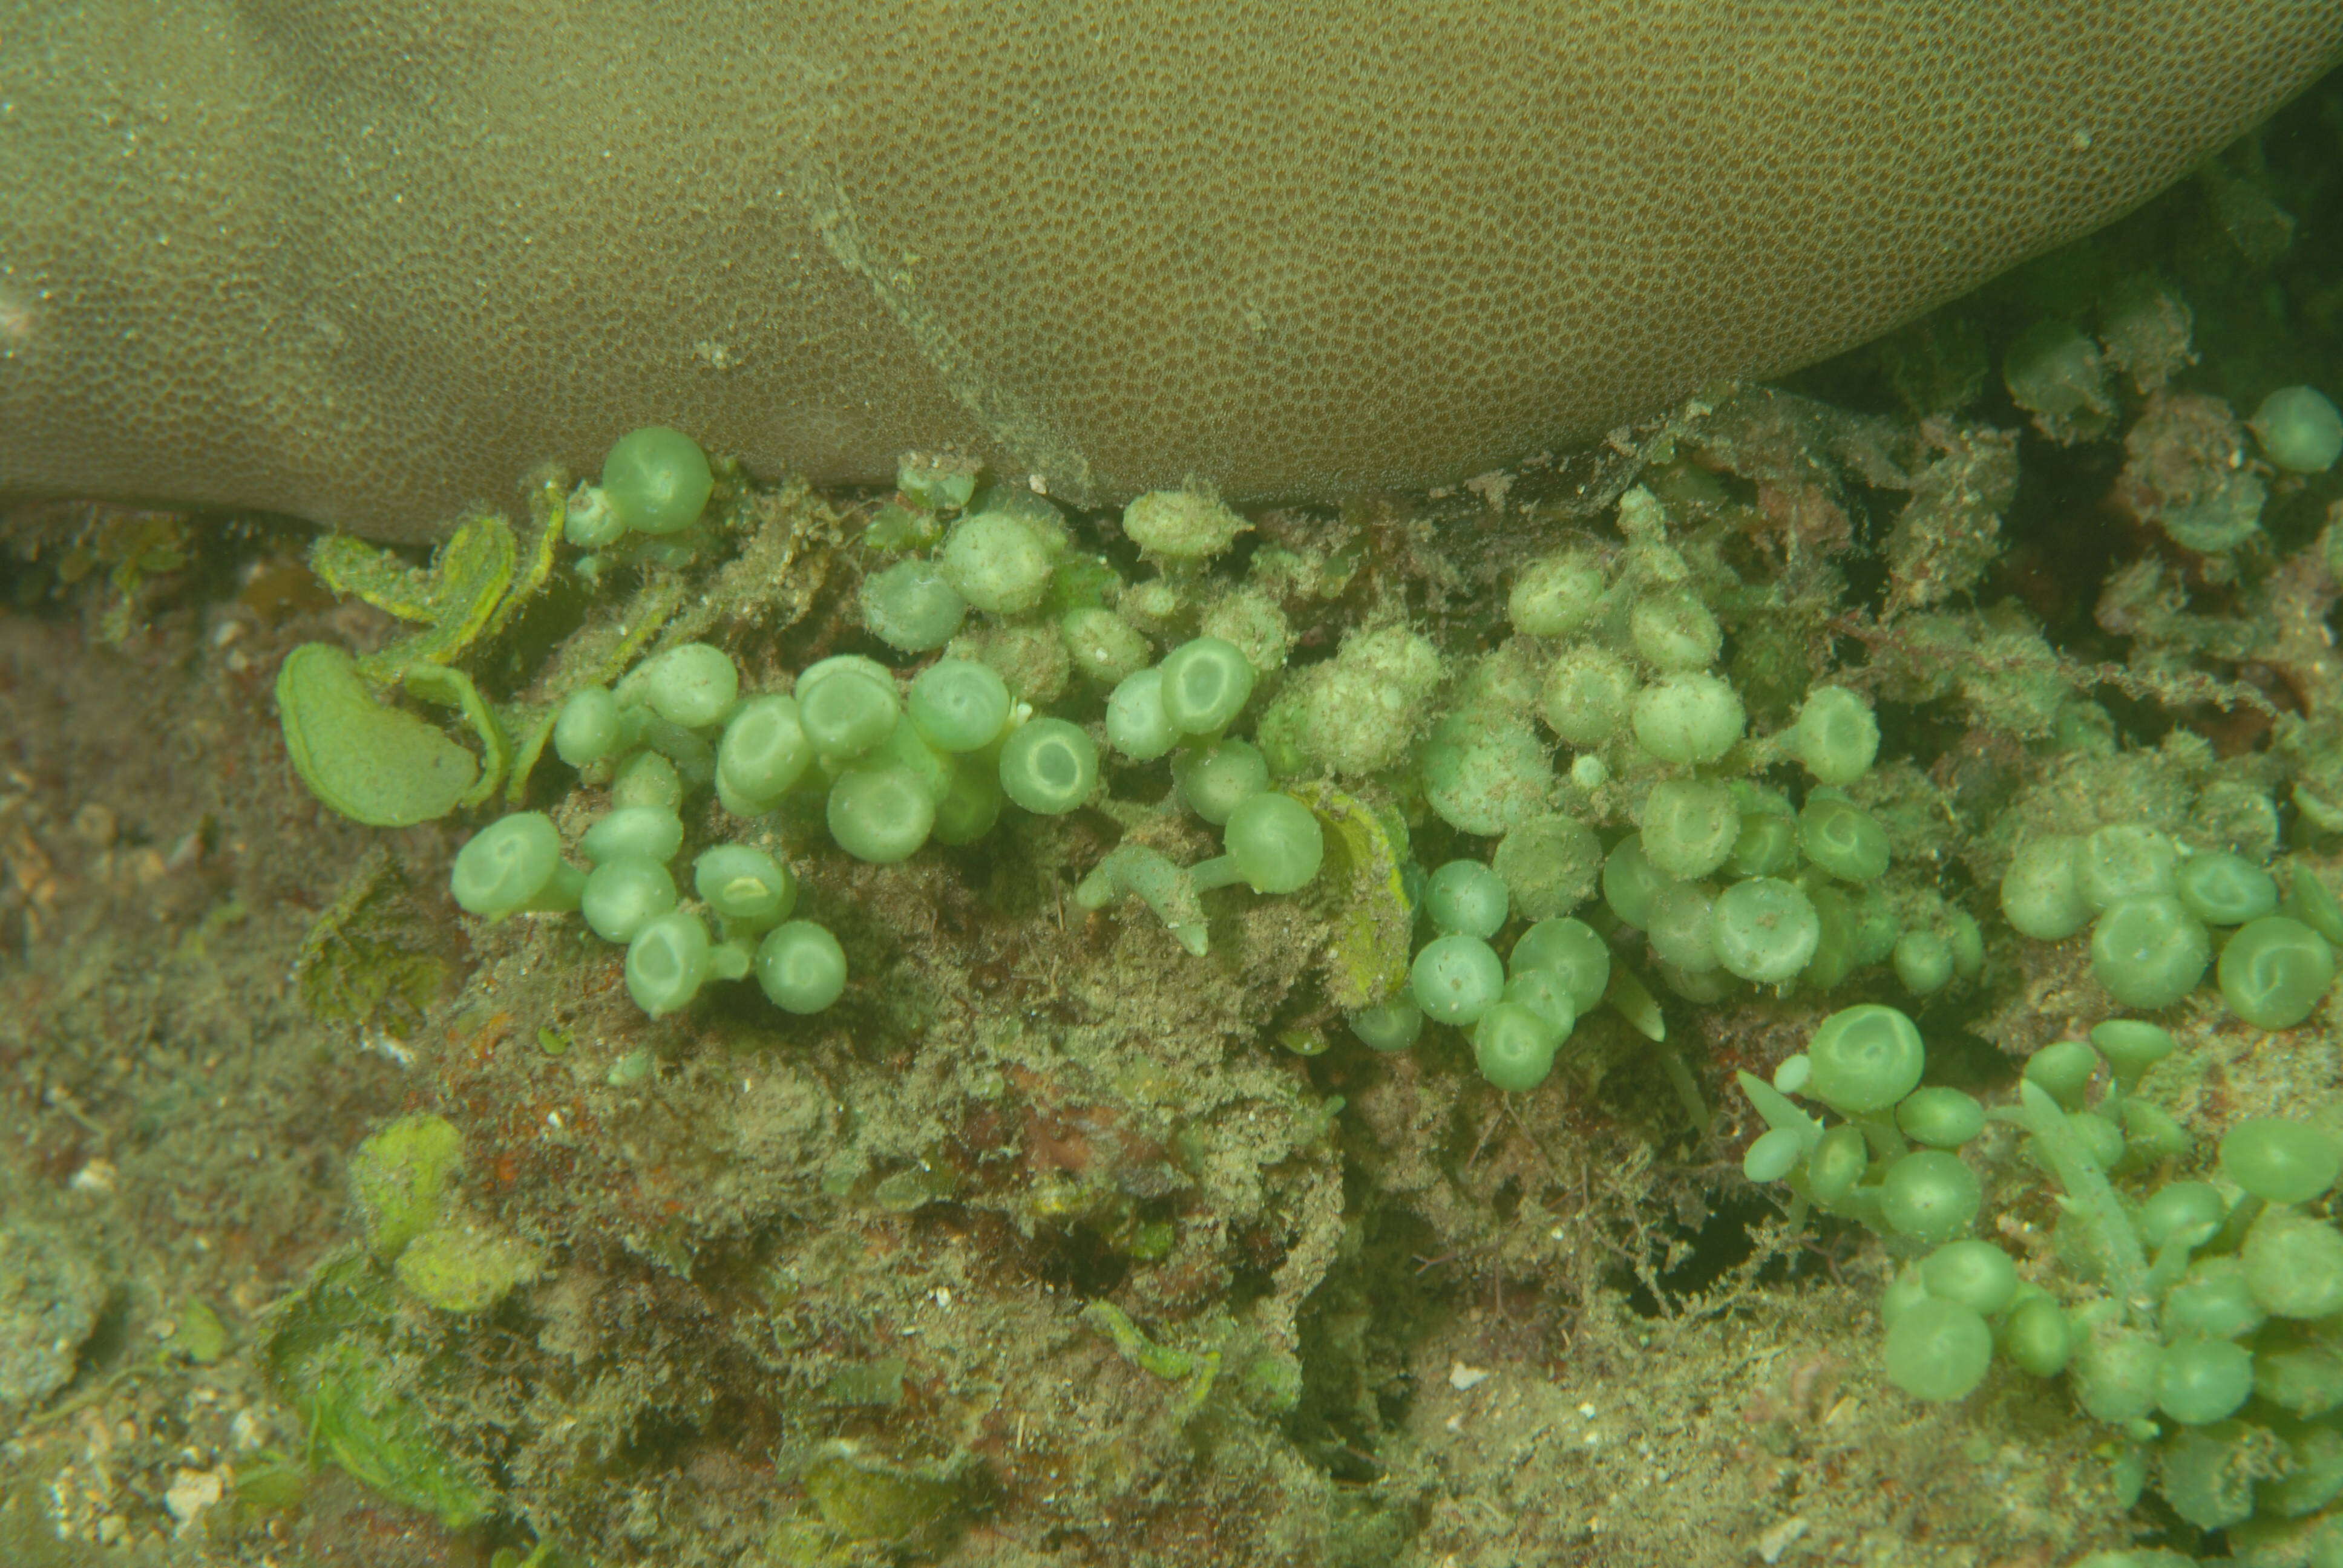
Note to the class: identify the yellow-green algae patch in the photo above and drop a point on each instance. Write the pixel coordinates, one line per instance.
(465, 1268)
(400, 1176)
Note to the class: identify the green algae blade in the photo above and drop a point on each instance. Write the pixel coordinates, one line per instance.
(331, 1359)
(455, 600)
(372, 763)
(1367, 961)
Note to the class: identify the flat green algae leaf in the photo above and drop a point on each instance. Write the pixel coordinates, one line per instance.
(479, 581)
(548, 510)
(330, 1360)
(469, 578)
(1366, 962)
(200, 1335)
(455, 599)
(371, 958)
(352, 569)
(372, 763)
(451, 688)
(1160, 1361)
(1634, 1002)
(530, 726)
(384, 1440)
(1196, 1373)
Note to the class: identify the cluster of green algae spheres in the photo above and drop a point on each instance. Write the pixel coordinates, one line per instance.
(1045, 619)
(1631, 686)
(1364, 714)
(2199, 1318)
(1728, 883)
(650, 739)
(1733, 881)
(1616, 663)
(895, 765)
(2152, 906)
(1005, 565)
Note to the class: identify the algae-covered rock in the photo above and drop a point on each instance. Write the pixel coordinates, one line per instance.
(331, 1356)
(1181, 524)
(49, 1300)
(868, 1501)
